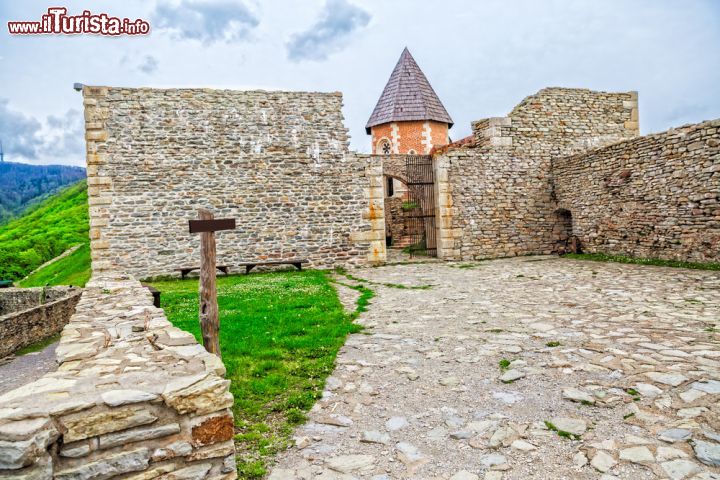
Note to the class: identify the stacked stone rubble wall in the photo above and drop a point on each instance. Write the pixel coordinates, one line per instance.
(133, 398)
(277, 162)
(656, 196)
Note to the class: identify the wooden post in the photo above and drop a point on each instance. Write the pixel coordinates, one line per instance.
(209, 322)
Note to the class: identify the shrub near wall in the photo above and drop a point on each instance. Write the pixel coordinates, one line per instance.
(656, 196)
(133, 397)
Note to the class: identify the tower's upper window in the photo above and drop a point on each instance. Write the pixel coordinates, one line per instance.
(384, 147)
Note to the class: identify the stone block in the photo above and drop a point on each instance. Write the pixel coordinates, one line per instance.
(213, 430)
(90, 92)
(367, 236)
(500, 121)
(136, 435)
(97, 134)
(116, 398)
(16, 454)
(96, 158)
(218, 450)
(107, 467)
(201, 395)
(79, 427)
(99, 244)
(92, 181)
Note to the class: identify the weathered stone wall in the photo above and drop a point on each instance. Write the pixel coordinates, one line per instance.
(496, 198)
(34, 315)
(395, 218)
(656, 196)
(133, 398)
(15, 299)
(278, 162)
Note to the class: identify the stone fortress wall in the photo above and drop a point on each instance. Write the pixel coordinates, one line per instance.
(277, 162)
(498, 200)
(133, 398)
(31, 315)
(656, 196)
(136, 398)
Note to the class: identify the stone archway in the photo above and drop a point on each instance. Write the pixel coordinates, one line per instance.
(410, 218)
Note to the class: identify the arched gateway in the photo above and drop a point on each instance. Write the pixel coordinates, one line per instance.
(408, 122)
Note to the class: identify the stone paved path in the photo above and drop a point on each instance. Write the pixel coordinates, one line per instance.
(633, 386)
(27, 368)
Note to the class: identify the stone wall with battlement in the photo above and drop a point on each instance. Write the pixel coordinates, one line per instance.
(497, 197)
(277, 162)
(133, 398)
(656, 196)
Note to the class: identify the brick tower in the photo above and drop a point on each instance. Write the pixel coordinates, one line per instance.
(409, 117)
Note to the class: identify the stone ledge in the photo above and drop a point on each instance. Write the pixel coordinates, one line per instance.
(129, 394)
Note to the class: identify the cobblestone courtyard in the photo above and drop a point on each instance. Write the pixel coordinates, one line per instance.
(468, 378)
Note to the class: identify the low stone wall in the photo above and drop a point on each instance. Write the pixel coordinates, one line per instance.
(133, 397)
(16, 299)
(35, 314)
(656, 196)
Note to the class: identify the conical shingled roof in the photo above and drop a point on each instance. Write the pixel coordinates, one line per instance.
(408, 96)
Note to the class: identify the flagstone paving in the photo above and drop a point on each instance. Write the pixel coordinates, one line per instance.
(609, 371)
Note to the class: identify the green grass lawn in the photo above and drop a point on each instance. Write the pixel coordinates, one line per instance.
(603, 257)
(71, 270)
(279, 335)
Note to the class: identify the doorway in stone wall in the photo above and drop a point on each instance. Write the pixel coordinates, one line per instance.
(419, 208)
(562, 233)
(396, 197)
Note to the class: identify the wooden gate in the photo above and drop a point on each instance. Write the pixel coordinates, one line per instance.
(420, 206)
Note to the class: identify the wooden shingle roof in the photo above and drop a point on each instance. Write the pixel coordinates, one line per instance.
(408, 96)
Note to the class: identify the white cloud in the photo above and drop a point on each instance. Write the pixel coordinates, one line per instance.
(26, 138)
(482, 58)
(206, 21)
(338, 21)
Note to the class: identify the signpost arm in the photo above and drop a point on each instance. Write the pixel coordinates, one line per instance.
(209, 322)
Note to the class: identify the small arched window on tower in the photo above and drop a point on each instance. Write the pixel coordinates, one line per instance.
(384, 147)
(412, 152)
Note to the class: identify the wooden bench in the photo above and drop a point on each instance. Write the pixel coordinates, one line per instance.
(155, 293)
(250, 265)
(186, 270)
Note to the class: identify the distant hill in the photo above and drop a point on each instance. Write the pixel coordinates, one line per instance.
(23, 185)
(45, 231)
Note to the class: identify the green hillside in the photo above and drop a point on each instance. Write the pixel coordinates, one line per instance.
(43, 233)
(71, 270)
(23, 185)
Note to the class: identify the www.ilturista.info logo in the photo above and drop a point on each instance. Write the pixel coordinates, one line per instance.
(57, 21)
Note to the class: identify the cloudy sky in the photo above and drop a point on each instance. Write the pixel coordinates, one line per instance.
(481, 56)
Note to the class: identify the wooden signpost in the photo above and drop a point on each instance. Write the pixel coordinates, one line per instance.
(206, 226)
